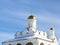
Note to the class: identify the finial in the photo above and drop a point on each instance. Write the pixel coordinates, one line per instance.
(31, 12)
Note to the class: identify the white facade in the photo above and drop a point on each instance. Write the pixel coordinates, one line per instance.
(32, 36)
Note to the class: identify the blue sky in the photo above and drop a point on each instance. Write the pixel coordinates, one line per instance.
(14, 14)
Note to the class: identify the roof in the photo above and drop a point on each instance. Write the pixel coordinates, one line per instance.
(31, 17)
(26, 38)
(51, 28)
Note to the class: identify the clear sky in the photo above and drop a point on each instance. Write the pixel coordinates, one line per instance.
(14, 14)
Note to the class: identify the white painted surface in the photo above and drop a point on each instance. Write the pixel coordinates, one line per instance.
(33, 35)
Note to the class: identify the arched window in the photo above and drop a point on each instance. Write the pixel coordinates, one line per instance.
(18, 44)
(9, 44)
(29, 43)
(42, 44)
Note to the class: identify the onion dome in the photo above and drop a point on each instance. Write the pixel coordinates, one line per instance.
(31, 17)
(51, 28)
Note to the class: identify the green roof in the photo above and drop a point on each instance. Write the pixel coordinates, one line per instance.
(51, 28)
(31, 17)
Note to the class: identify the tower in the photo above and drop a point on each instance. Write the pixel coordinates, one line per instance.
(52, 33)
(32, 23)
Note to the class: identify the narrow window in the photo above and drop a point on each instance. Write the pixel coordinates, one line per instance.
(44, 34)
(39, 32)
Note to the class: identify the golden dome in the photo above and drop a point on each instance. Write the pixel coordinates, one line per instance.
(31, 17)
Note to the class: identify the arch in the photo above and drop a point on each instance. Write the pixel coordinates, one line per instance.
(29, 43)
(18, 44)
(9, 44)
(41, 43)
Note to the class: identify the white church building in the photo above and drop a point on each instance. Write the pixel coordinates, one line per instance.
(32, 36)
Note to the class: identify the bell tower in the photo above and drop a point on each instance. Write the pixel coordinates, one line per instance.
(32, 23)
(52, 33)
